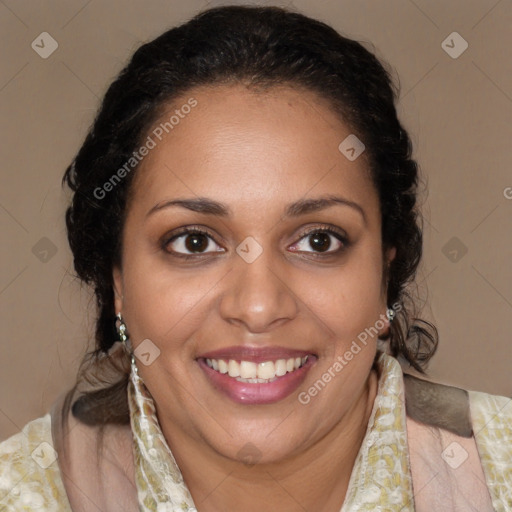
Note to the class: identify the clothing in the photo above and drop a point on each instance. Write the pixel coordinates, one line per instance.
(402, 464)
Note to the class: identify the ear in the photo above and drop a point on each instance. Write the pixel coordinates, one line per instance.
(118, 289)
(390, 254)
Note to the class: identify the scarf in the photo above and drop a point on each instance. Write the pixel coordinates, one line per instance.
(381, 476)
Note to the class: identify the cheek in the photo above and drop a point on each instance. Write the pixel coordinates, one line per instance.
(349, 300)
(163, 305)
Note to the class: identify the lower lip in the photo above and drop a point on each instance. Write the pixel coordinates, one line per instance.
(257, 393)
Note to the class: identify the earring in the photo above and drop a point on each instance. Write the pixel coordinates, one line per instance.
(390, 313)
(121, 329)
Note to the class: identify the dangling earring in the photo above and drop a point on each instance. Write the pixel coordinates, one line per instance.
(390, 313)
(384, 337)
(121, 329)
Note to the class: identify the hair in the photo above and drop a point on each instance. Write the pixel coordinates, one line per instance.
(259, 47)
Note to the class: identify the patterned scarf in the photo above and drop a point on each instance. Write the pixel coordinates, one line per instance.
(381, 476)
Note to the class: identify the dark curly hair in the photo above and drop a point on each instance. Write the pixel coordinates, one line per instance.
(259, 47)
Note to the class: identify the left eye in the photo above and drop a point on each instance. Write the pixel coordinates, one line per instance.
(320, 241)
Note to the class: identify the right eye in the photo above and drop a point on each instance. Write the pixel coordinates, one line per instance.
(195, 240)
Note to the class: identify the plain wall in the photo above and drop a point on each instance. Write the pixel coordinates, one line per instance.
(457, 110)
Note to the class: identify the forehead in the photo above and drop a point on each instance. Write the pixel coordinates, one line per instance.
(256, 148)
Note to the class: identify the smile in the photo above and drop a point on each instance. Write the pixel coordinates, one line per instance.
(256, 376)
(256, 373)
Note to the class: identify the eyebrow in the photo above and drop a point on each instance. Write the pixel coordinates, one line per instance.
(301, 207)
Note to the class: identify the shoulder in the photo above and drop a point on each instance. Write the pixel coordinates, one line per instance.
(438, 405)
(466, 428)
(29, 472)
(460, 411)
(97, 464)
(491, 417)
(492, 426)
(494, 408)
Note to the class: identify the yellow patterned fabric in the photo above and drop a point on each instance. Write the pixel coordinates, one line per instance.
(29, 474)
(161, 487)
(492, 427)
(381, 478)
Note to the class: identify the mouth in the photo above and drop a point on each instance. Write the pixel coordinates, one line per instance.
(256, 376)
(256, 373)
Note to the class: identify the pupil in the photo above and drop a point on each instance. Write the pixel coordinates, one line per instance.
(321, 241)
(198, 242)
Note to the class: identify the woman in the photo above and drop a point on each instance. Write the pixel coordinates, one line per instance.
(245, 208)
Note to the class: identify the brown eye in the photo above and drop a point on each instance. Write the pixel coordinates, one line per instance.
(196, 242)
(189, 242)
(321, 241)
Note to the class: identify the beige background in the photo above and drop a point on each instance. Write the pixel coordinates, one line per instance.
(458, 112)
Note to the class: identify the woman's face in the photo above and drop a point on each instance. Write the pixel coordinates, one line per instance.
(264, 284)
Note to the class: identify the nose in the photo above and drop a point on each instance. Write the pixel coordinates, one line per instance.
(257, 295)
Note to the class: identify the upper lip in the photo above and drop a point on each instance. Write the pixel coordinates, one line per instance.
(255, 354)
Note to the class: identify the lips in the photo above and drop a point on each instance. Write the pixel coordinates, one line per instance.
(251, 375)
(254, 354)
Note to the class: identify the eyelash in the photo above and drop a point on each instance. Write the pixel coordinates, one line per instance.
(196, 230)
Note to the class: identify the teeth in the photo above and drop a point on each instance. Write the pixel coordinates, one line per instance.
(233, 368)
(256, 381)
(266, 370)
(280, 367)
(223, 366)
(248, 371)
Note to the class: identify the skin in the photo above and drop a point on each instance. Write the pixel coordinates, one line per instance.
(256, 153)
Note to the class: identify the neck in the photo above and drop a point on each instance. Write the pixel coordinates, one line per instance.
(316, 479)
